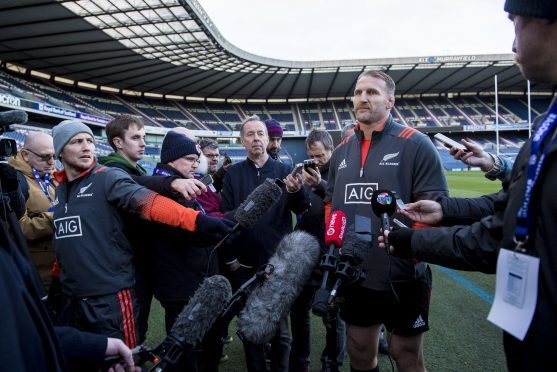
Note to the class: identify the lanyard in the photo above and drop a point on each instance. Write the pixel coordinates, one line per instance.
(535, 164)
(44, 187)
(162, 172)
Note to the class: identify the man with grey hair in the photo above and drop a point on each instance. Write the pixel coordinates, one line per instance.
(253, 247)
(396, 291)
(347, 131)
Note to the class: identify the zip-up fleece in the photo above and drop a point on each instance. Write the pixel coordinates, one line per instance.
(400, 159)
(92, 250)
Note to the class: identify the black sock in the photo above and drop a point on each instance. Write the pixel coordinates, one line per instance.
(376, 369)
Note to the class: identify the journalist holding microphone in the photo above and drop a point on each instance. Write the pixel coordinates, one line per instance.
(513, 233)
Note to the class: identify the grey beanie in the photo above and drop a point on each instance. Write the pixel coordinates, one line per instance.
(532, 8)
(65, 131)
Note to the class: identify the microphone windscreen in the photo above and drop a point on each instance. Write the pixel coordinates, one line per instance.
(355, 246)
(261, 199)
(383, 201)
(295, 258)
(13, 117)
(336, 228)
(199, 314)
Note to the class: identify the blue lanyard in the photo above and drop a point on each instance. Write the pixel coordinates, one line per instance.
(535, 164)
(162, 172)
(46, 185)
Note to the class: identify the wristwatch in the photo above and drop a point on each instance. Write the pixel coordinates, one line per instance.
(498, 168)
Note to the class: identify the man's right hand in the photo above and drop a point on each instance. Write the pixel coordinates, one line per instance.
(190, 188)
(425, 211)
(475, 156)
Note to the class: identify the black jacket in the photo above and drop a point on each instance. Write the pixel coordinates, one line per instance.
(180, 259)
(476, 247)
(255, 246)
(29, 341)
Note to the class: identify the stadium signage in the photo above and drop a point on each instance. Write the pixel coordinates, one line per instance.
(92, 118)
(8, 99)
(447, 59)
(56, 110)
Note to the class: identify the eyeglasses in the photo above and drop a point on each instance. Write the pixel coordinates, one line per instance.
(191, 159)
(44, 158)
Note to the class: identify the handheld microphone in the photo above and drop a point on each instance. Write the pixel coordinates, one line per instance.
(353, 253)
(334, 236)
(383, 204)
(294, 260)
(13, 117)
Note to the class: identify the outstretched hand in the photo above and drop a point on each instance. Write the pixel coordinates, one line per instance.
(424, 211)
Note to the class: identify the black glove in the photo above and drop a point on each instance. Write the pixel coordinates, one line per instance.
(8, 177)
(215, 227)
(401, 240)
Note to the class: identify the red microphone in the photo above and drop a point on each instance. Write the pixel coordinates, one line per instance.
(336, 229)
(334, 236)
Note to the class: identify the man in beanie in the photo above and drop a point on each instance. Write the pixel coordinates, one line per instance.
(182, 259)
(514, 236)
(275, 137)
(93, 253)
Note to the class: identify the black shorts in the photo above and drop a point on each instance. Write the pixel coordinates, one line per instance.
(403, 310)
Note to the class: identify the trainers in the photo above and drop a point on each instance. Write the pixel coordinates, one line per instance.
(223, 358)
(227, 340)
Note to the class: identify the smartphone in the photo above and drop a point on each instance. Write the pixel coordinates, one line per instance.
(449, 143)
(297, 169)
(399, 224)
(309, 163)
(227, 159)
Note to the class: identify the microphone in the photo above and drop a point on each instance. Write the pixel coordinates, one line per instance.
(13, 117)
(334, 235)
(353, 253)
(194, 321)
(294, 260)
(257, 203)
(383, 204)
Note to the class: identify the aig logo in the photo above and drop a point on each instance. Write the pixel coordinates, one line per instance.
(359, 193)
(67, 227)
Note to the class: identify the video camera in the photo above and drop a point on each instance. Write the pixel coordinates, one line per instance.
(8, 146)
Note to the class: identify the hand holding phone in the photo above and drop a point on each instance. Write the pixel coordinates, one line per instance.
(449, 143)
(309, 163)
(227, 159)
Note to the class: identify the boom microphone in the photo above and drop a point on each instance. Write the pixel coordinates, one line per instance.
(334, 235)
(195, 320)
(353, 253)
(257, 203)
(294, 260)
(383, 204)
(13, 117)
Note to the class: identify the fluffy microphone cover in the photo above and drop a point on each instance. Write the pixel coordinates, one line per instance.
(199, 314)
(296, 256)
(261, 199)
(356, 247)
(13, 117)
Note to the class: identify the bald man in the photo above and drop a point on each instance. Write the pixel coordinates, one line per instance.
(35, 164)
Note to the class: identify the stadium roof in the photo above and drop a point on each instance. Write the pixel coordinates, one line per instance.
(171, 47)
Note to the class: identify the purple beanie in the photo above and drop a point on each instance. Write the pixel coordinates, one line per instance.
(273, 128)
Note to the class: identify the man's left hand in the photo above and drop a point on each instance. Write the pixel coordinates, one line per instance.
(312, 177)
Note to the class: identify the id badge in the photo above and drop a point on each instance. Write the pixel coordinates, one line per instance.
(516, 292)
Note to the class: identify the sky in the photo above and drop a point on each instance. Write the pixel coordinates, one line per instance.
(312, 30)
